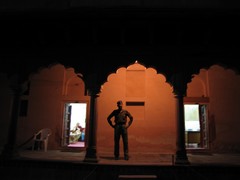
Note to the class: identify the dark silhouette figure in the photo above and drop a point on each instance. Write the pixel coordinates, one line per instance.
(120, 126)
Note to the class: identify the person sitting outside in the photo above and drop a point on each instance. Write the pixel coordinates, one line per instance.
(75, 134)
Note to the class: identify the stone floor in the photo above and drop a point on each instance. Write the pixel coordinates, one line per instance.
(62, 165)
(135, 158)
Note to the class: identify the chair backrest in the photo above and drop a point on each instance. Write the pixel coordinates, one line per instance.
(43, 134)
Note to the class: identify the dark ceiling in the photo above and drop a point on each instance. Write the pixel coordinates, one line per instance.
(98, 41)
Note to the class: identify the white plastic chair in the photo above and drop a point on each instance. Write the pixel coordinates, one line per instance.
(41, 139)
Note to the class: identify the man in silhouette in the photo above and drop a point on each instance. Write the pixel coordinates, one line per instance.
(122, 120)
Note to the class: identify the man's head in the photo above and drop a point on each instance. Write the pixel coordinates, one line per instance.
(119, 103)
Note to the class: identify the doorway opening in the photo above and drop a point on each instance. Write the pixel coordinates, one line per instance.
(74, 125)
(196, 126)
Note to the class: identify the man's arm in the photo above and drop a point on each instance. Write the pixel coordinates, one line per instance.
(109, 119)
(130, 119)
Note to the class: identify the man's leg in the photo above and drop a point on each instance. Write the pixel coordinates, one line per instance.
(116, 142)
(125, 143)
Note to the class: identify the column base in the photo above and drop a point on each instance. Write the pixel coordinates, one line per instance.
(90, 160)
(179, 161)
(9, 153)
(91, 155)
(181, 158)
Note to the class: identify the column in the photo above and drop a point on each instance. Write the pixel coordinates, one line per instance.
(180, 86)
(91, 150)
(10, 150)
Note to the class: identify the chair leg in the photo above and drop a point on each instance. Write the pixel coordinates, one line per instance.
(45, 146)
(39, 145)
(45, 149)
(33, 145)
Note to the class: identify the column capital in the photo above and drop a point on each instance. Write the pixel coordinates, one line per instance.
(179, 83)
(93, 85)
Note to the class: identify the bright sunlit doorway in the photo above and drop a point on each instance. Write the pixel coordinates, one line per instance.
(74, 113)
(196, 126)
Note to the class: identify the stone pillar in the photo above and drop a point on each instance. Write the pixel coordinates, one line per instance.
(93, 88)
(180, 86)
(10, 150)
(91, 150)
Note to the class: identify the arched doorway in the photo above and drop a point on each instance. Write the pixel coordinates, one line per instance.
(74, 113)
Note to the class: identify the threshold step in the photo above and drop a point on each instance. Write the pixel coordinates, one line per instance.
(137, 176)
